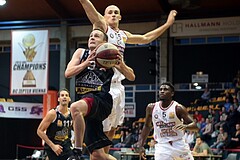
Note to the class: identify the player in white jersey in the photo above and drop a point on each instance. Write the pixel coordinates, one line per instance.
(169, 120)
(110, 23)
(117, 90)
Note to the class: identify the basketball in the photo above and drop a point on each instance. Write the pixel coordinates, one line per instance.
(106, 55)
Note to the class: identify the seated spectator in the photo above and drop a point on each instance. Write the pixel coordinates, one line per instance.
(190, 138)
(221, 141)
(201, 148)
(202, 125)
(232, 120)
(216, 117)
(197, 116)
(235, 103)
(227, 104)
(205, 97)
(207, 131)
(222, 119)
(234, 140)
(127, 142)
(210, 114)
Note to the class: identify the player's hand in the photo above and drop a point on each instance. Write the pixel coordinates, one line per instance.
(140, 150)
(120, 61)
(171, 17)
(57, 149)
(180, 126)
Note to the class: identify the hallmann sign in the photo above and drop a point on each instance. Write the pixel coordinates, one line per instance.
(201, 27)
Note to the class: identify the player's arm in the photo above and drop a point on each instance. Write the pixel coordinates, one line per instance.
(147, 127)
(152, 35)
(93, 15)
(74, 67)
(43, 126)
(124, 69)
(188, 122)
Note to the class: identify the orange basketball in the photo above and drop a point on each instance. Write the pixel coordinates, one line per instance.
(106, 55)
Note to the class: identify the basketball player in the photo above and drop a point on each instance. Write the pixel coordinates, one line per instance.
(110, 24)
(55, 129)
(169, 119)
(95, 102)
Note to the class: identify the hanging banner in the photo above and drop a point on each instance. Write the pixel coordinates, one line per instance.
(50, 100)
(29, 62)
(21, 110)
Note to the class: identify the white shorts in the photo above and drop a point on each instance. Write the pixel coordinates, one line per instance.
(116, 117)
(177, 150)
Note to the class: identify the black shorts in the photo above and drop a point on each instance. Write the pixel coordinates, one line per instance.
(101, 108)
(67, 152)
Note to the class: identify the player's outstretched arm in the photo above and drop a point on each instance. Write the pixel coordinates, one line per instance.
(93, 15)
(154, 34)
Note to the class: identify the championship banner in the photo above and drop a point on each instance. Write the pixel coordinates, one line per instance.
(21, 110)
(130, 110)
(29, 62)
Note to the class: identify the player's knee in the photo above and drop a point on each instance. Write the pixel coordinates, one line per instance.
(75, 109)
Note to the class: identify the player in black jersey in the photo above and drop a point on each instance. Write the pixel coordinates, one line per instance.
(55, 129)
(94, 103)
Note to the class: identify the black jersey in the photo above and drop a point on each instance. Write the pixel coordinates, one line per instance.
(93, 79)
(59, 131)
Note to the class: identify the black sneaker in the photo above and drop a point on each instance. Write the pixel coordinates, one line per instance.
(77, 154)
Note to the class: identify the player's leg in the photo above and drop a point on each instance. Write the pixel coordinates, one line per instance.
(110, 134)
(78, 111)
(99, 154)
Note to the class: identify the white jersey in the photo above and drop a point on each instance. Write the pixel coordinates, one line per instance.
(117, 90)
(118, 38)
(164, 119)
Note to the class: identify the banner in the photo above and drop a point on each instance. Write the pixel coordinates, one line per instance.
(130, 110)
(29, 62)
(50, 100)
(207, 27)
(21, 110)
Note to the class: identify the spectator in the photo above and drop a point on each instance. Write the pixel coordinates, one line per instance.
(197, 116)
(205, 97)
(221, 141)
(235, 103)
(190, 138)
(201, 148)
(227, 104)
(222, 120)
(207, 131)
(202, 125)
(234, 140)
(127, 142)
(231, 120)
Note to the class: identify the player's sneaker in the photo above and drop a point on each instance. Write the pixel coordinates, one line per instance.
(77, 154)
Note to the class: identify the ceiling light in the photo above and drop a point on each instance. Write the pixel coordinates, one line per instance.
(198, 87)
(195, 84)
(2, 2)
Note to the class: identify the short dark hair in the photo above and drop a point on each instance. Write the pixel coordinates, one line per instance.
(63, 89)
(169, 84)
(105, 36)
